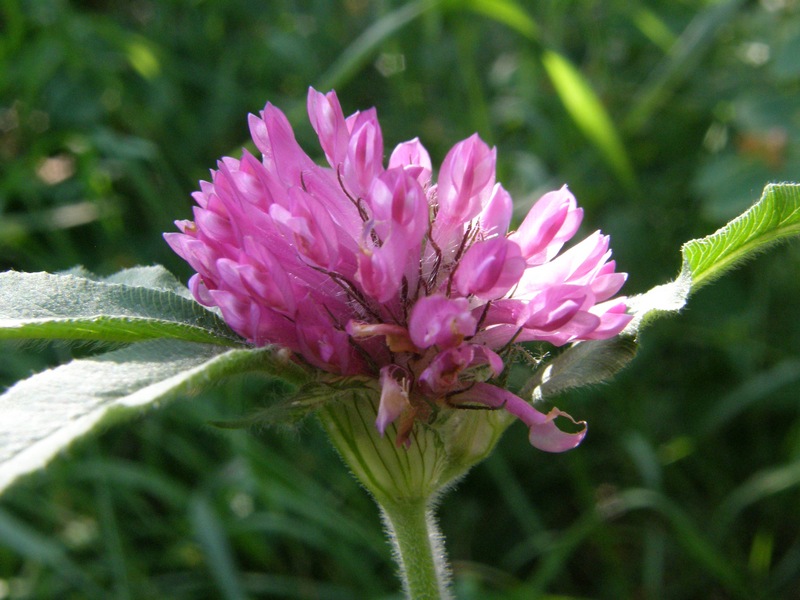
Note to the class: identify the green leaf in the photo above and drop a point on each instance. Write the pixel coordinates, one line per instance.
(43, 414)
(774, 218)
(132, 305)
(583, 363)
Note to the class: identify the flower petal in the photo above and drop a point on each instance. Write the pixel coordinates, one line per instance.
(440, 321)
(489, 268)
(543, 432)
(364, 159)
(327, 119)
(394, 398)
(446, 367)
(465, 181)
(551, 221)
(414, 158)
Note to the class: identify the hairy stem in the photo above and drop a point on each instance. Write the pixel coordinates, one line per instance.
(418, 549)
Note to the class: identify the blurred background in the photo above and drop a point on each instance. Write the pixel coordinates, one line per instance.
(666, 118)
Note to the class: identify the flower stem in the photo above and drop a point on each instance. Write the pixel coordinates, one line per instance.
(407, 480)
(418, 549)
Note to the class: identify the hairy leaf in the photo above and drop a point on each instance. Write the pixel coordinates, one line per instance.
(584, 363)
(774, 218)
(43, 414)
(133, 305)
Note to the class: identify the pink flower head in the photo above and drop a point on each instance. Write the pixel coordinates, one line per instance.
(362, 269)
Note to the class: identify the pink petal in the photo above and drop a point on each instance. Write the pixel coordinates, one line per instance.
(312, 231)
(327, 119)
(441, 321)
(613, 318)
(364, 159)
(486, 356)
(552, 220)
(200, 290)
(443, 372)
(577, 266)
(550, 438)
(496, 215)
(489, 269)
(543, 432)
(413, 157)
(380, 272)
(274, 137)
(399, 207)
(271, 285)
(465, 181)
(321, 343)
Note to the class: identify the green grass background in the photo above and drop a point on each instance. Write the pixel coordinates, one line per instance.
(688, 484)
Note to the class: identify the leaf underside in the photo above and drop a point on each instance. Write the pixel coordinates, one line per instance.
(136, 304)
(43, 414)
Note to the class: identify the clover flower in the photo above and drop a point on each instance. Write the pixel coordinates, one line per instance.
(362, 269)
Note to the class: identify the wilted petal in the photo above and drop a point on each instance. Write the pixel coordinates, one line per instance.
(397, 338)
(543, 432)
(394, 397)
(450, 369)
(444, 371)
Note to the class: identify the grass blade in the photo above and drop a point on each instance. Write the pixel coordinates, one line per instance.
(219, 557)
(589, 114)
